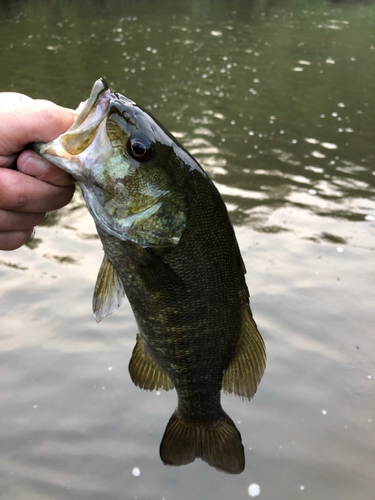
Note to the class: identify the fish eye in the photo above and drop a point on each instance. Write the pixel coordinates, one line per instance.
(139, 149)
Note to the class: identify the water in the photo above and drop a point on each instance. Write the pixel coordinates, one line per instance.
(275, 100)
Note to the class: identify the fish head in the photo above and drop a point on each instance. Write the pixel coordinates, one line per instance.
(128, 167)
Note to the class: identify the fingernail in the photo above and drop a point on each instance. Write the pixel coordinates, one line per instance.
(35, 166)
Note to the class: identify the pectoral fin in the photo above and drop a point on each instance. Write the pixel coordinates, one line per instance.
(109, 291)
(144, 372)
(246, 368)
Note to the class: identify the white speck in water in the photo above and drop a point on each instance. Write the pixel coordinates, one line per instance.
(282, 131)
(341, 104)
(352, 58)
(334, 114)
(136, 472)
(110, 368)
(35, 407)
(216, 33)
(307, 63)
(251, 132)
(328, 145)
(294, 141)
(318, 154)
(302, 487)
(340, 249)
(157, 393)
(311, 140)
(369, 217)
(103, 388)
(297, 68)
(254, 490)
(239, 422)
(312, 191)
(330, 60)
(324, 412)
(369, 420)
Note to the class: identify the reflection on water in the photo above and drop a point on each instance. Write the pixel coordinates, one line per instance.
(275, 100)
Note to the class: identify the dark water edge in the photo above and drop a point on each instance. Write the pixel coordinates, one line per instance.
(275, 99)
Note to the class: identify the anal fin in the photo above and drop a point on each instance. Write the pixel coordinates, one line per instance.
(247, 366)
(144, 372)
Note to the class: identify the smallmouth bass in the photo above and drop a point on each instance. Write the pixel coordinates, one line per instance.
(170, 247)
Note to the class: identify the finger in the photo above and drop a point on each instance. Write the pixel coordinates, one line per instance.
(22, 193)
(39, 120)
(14, 239)
(31, 163)
(19, 221)
(14, 99)
(8, 161)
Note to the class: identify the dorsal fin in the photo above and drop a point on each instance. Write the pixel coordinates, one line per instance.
(144, 372)
(247, 366)
(109, 291)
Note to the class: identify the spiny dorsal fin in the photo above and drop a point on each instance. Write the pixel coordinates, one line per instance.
(247, 366)
(109, 291)
(217, 443)
(144, 372)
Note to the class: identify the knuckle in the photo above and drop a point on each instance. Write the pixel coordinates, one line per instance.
(13, 194)
(20, 197)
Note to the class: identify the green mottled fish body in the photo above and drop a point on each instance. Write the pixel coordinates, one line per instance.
(170, 247)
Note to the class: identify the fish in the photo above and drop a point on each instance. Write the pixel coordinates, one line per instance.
(170, 248)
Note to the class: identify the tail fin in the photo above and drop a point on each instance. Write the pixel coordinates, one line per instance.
(219, 444)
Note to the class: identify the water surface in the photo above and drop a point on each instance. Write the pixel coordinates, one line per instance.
(276, 101)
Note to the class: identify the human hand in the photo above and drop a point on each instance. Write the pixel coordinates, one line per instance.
(37, 186)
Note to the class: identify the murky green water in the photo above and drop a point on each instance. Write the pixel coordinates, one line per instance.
(276, 100)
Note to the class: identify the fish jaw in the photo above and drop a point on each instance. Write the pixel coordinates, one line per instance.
(56, 154)
(69, 151)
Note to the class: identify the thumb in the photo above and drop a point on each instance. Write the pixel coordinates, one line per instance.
(24, 120)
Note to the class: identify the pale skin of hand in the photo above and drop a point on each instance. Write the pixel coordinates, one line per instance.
(37, 186)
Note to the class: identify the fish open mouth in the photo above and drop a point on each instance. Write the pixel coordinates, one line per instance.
(91, 115)
(94, 110)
